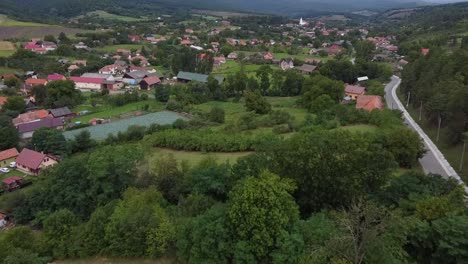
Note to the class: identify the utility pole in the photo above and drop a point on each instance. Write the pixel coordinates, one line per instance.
(420, 112)
(465, 138)
(409, 96)
(438, 129)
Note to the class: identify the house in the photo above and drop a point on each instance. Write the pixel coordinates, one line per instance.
(81, 45)
(3, 220)
(72, 68)
(8, 156)
(268, 56)
(87, 83)
(62, 112)
(232, 56)
(110, 82)
(286, 63)
(334, 50)
(3, 100)
(149, 82)
(55, 77)
(190, 76)
(30, 116)
(113, 69)
(369, 102)
(134, 77)
(81, 62)
(49, 46)
(8, 76)
(353, 91)
(307, 68)
(217, 61)
(425, 51)
(35, 82)
(186, 42)
(26, 130)
(134, 38)
(12, 183)
(32, 162)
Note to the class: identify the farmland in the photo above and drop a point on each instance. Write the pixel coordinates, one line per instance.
(24, 30)
(6, 48)
(114, 48)
(108, 16)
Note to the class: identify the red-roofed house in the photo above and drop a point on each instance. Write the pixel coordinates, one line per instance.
(134, 38)
(113, 69)
(217, 61)
(369, 102)
(149, 82)
(353, 91)
(88, 83)
(3, 100)
(186, 42)
(334, 50)
(35, 82)
(30, 116)
(425, 51)
(268, 56)
(8, 156)
(56, 77)
(11, 183)
(32, 162)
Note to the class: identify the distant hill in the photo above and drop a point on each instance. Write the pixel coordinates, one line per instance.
(54, 9)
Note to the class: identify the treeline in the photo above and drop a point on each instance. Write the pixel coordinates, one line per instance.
(439, 82)
(300, 200)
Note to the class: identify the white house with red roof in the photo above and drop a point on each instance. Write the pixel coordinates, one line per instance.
(32, 162)
(88, 83)
(353, 91)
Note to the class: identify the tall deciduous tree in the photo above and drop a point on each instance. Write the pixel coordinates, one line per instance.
(49, 141)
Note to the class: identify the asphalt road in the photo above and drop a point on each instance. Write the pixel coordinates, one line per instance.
(429, 162)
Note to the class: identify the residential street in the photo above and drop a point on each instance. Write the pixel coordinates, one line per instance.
(433, 161)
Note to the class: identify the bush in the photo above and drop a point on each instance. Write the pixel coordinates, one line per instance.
(247, 121)
(216, 115)
(282, 129)
(278, 117)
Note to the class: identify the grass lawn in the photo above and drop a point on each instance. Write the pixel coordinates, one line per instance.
(114, 48)
(194, 157)
(109, 16)
(110, 260)
(233, 66)
(360, 128)
(107, 111)
(6, 48)
(8, 22)
(6, 53)
(12, 172)
(4, 70)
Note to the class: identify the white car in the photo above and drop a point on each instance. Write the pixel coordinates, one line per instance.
(4, 170)
(12, 164)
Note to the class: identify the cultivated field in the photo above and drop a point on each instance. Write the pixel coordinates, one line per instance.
(108, 16)
(6, 48)
(10, 28)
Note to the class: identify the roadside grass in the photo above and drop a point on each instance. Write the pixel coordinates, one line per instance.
(194, 157)
(8, 22)
(114, 260)
(105, 15)
(114, 48)
(108, 111)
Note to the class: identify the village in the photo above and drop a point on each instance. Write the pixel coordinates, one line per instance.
(302, 47)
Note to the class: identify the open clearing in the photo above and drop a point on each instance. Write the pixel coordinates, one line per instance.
(194, 157)
(114, 48)
(108, 16)
(222, 14)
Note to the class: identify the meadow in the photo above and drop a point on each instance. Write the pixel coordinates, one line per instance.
(114, 48)
(6, 48)
(108, 16)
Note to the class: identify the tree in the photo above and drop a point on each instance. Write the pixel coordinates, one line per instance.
(82, 142)
(263, 74)
(62, 93)
(15, 103)
(364, 50)
(59, 232)
(139, 225)
(40, 94)
(49, 141)
(211, 179)
(205, 238)
(12, 82)
(216, 115)
(9, 137)
(260, 210)
(63, 38)
(255, 102)
(50, 38)
(22, 245)
(405, 145)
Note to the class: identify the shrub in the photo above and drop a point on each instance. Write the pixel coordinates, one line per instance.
(216, 115)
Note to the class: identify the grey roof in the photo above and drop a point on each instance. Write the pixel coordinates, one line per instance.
(137, 74)
(288, 60)
(121, 63)
(307, 68)
(96, 75)
(47, 122)
(190, 76)
(59, 112)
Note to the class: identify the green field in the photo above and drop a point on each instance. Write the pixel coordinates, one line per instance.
(8, 22)
(4, 70)
(231, 67)
(107, 111)
(194, 157)
(360, 128)
(114, 48)
(109, 16)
